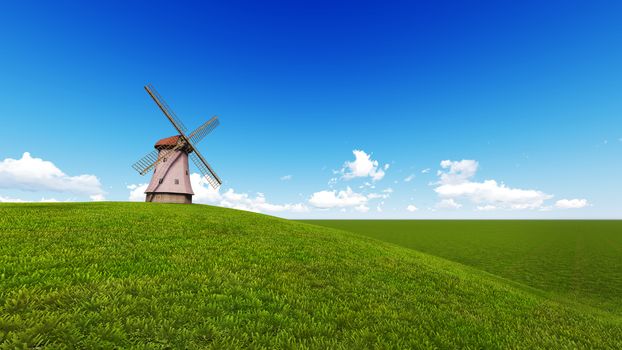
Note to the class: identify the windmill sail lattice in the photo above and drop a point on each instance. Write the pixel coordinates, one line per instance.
(170, 181)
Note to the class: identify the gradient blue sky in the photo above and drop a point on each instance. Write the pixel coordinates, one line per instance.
(530, 90)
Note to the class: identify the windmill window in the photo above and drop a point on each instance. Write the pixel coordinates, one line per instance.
(186, 172)
(176, 181)
(161, 179)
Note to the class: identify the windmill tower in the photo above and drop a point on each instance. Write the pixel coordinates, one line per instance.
(170, 182)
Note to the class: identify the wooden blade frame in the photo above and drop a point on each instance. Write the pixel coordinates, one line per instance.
(205, 169)
(146, 163)
(197, 135)
(184, 140)
(172, 117)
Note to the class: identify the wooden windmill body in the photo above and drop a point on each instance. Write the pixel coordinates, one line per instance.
(170, 182)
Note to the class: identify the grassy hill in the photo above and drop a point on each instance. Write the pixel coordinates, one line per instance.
(579, 261)
(144, 275)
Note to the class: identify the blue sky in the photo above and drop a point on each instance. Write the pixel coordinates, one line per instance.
(531, 92)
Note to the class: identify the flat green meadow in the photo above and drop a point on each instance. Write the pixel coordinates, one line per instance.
(580, 261)
(157, 276)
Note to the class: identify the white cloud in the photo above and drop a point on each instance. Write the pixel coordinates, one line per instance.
(456, 182)
(286, 177)
(17, 200)
(386, 193)
(49, 200)
(362, 208)
(425, 171)
(571, 203)
(458, 172)
(137, 192)
(367, 185)
(205, 194)
(363, 166)
(409, 178)
(259, 204)
(11, 200)
(448, 204)
(37, 175)
(341, 199)
(490, 192)
(412, 208)
(487, 207)
(97, 197)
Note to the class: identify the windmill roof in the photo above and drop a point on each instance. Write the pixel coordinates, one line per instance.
(168, 141)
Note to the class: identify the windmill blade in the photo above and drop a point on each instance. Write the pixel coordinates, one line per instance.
(146, 163)
(172, 117)
(203, 165)
(205, 169)
(202, 131)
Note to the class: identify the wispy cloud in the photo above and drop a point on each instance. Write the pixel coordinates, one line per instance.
(456, 182)
(449, 203)
(571, 203)
(339, 199)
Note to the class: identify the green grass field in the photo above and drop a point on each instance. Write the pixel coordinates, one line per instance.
(580, 261)
(144, 275)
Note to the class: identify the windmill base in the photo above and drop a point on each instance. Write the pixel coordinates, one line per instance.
(180, 198)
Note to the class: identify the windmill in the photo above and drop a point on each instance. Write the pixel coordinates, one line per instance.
(170, 182)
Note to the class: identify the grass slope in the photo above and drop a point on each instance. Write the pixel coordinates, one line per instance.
(575, 260)
(143, 275)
